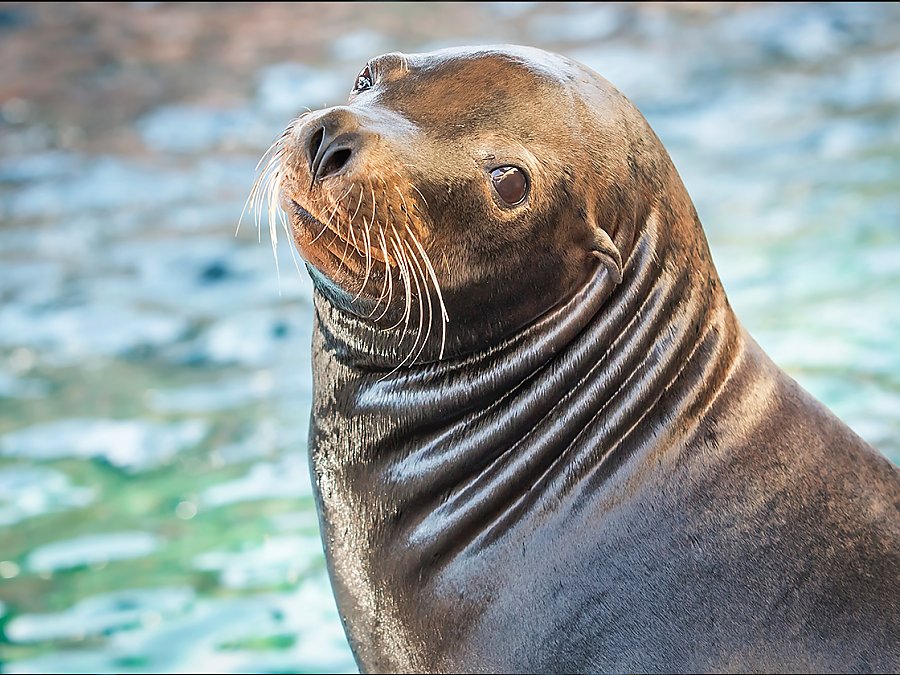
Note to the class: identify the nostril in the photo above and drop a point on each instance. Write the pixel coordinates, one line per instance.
(333, 162)
(315, 142)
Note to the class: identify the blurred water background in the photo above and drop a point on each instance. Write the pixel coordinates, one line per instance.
(155, 508)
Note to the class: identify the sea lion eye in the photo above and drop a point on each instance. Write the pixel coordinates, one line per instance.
(511, 184)
(363, 80)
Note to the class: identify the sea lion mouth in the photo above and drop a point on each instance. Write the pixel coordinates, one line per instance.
(311, 229)
(305, 222)
(304, 217)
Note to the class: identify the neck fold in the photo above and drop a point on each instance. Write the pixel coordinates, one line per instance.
(447, 455)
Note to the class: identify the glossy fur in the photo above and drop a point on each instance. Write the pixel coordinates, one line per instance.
(601, 471)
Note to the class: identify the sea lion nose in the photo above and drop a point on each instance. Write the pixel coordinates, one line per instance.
(330, 144)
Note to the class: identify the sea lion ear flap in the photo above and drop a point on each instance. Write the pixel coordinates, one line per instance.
(604, 249)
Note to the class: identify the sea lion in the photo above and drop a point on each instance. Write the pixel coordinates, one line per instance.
(540, 439)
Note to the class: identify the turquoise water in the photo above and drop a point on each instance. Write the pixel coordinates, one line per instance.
(155, 507)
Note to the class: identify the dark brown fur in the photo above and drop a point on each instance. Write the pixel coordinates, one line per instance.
(600, 470)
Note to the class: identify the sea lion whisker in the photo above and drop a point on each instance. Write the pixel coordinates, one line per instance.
(287, 232)
(387, 295)
(346, 241)
(367, 241)
(263, 176)
(426, 261)
(344, 252)
(262, 187)
(408, 313)
(406, 270)
(367, 244)
(365, 280)
(351, 229)
(414, 279)
(420, 194)
(299, 118)
(261, 192)
(399, 175)
(351, 234)
(276, 145)
(418, 331)
(336, 205)
(424, 290)
(251, 203)
(273, 190)
(358, 205)
(389, 277)
(325, 225)
(406, 277)
(337, 229)
(321, 232)
(277, 214)
(374, 206)
(265, 158)
(409, 278)
(403, 268)
(402, 198)
(387, 284)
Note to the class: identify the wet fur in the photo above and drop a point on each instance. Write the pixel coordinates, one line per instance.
(600, 470)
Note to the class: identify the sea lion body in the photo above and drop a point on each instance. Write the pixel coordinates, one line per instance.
(595, 468)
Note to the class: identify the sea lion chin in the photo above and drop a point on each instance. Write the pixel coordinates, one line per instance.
(540, 439)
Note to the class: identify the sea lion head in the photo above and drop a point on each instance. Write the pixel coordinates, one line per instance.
(461, 194)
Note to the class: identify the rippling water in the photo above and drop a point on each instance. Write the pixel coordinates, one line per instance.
(155, 507)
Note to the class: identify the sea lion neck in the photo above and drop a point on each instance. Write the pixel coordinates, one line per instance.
(418, 470)
(610, 328)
